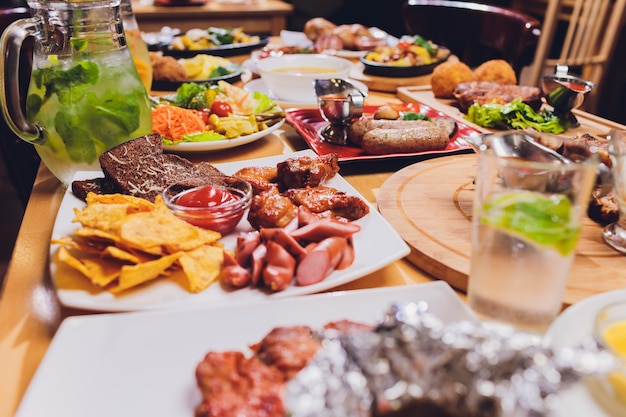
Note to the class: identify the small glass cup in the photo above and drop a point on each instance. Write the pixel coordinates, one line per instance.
(527, 217)
(610, 332)
(615, 233)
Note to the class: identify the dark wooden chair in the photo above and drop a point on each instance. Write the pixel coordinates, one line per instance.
(475, 32)
(20, 158)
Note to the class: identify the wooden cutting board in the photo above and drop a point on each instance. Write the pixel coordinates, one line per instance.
(588, 123)
(430, 205)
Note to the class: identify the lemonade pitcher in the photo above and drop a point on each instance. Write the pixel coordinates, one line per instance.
(85, 95)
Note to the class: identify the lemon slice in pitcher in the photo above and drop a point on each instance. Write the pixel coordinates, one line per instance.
(540, 218)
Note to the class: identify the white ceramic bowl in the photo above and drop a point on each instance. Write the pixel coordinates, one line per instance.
(290, 77)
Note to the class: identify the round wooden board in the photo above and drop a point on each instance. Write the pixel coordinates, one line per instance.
(430, 205)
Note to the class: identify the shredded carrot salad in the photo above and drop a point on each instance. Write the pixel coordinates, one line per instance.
(175, 122)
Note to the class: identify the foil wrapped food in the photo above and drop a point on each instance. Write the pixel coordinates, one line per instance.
(414, 364)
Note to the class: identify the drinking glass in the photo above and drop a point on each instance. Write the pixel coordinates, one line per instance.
(527, 217)
(615, 233)
(610, 332)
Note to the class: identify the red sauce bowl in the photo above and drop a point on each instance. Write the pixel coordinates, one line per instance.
(217, 202)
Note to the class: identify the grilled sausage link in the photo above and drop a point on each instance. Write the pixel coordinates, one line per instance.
(427, 137)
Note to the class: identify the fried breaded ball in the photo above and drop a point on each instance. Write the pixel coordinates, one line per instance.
(167, 68)
(447, 76)
(496, 70)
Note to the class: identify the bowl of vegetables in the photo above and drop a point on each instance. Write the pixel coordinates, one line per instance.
(412, 56)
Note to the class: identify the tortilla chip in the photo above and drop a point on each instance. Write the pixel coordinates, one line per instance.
(133, 275)
(99, 272)
(159, 227)
(202, 266)
(116, 253)
(134, 204)
(96, 234)
(105, 217)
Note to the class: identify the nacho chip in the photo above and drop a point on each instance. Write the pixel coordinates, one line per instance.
(99, 272)
(122, 255)
(202, 266)
(105, 217)
(161, 227)
(97, 235)
(134, 204)
(133, 275)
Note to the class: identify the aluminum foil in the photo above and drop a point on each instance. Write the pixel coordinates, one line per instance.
(412, 360)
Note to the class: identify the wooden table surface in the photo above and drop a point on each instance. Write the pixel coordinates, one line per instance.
(30, 312)
(265, 16)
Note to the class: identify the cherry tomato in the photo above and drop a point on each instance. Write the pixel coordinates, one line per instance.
(404, 45)
(204, 115)
(221, 108)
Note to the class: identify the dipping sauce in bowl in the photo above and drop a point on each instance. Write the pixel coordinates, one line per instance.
(217, 203)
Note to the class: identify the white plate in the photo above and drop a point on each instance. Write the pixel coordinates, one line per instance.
(259, 85)
(572, 327)
(142, 364)
(376, 245)
(221, 144)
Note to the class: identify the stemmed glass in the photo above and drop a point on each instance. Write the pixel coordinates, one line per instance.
(615, 233)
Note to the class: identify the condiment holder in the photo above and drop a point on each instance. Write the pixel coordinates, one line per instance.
(565, 92)
(339, 102)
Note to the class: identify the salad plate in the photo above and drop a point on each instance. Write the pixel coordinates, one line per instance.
(573, 327)
(308, 122)
(143, 363)
(221, 50)
(376, 245)
(217, 145)
(164, 85)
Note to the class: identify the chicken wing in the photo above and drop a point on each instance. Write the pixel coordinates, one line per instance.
(321, 199)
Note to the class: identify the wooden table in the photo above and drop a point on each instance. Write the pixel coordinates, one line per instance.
(264, 17)
(30, 312)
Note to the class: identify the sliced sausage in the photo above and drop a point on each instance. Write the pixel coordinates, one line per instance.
(258, 262)
(320, 261)
(245, 245)
(322, 229)
(347, 257)
(232, 273)
(283, 238)
(279, 267)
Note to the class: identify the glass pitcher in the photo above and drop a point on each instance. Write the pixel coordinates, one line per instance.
(85, 95)
(138, 48)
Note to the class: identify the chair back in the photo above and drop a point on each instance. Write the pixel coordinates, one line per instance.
(475, 32)
(592, 27)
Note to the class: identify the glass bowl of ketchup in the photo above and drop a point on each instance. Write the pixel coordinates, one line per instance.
(215, 202)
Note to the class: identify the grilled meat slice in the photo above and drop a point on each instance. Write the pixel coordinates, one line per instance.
(306, 171)
(289, 349)
(483, 92)
(321, 198)
(233, 385)
(261, 178)
(271, 209)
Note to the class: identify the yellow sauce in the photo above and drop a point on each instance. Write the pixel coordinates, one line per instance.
(615, 338)
(304, 70)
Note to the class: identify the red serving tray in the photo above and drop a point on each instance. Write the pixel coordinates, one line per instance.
(308, 122)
